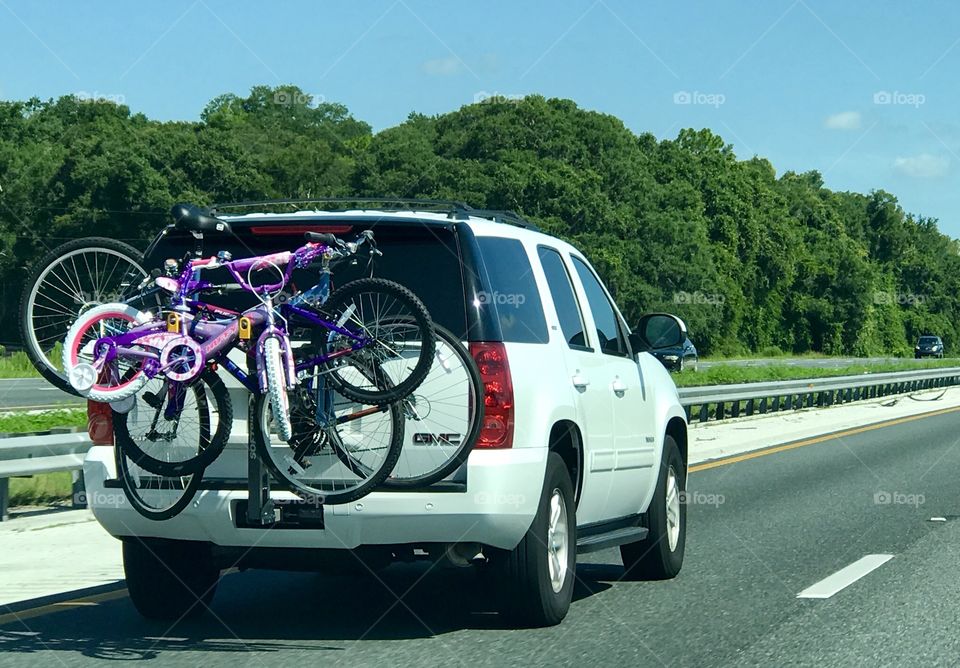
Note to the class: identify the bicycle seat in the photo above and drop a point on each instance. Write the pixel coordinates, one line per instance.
(193, 219)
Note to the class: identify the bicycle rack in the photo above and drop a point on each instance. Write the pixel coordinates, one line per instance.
(260, 507)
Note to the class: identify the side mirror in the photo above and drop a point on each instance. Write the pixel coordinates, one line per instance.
(657, 330)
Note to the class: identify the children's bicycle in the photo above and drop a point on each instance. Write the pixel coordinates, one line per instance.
(371, 343)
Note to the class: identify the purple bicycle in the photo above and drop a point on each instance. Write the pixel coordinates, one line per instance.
(349, 355)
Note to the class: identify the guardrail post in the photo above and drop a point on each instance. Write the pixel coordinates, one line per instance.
(704, 412)
(79, 490)
(4, 498)
(749, 406)
(720, 411)
(763, 405)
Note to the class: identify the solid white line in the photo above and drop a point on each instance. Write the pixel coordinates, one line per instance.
(845, 577)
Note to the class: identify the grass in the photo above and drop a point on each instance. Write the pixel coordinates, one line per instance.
(21, 423)
(17, 365)
(724, 374)
(41, 489)
(47, 487)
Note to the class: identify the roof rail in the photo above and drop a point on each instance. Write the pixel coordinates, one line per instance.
(453, 208)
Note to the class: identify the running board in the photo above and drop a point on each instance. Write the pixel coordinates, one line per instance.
(614, 538)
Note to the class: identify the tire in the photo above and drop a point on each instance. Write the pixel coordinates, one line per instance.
(528, 595)
(275, 369)
(416, 316)
(169, 580)
(40, 329)
(207, 448)
(156, 498)
(283, 461)
(660, 555)
(121, 384)
(414, 470)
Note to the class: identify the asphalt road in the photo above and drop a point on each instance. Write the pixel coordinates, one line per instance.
(760, 531)
(32, 393)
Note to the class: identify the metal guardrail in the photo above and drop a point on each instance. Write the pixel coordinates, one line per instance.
(30, 455)
(717, 402)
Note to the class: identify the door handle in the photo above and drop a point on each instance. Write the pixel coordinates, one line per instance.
(618, 386)
(580, 382)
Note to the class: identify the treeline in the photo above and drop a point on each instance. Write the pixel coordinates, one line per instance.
(751, 261)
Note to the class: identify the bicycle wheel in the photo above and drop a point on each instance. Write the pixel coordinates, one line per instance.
(155, 497)
(340, 450)
(275, 368)
(400, 338)
(176, 429)
(442, 417)
(118, 378)
(67, 281)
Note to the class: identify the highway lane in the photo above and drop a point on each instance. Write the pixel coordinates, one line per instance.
(760, 531)
(33, 393)
(808, 362)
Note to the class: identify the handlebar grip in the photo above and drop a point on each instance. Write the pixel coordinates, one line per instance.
(321, 237)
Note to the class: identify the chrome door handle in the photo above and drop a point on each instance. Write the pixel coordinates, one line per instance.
(580, 382)
(618, 386)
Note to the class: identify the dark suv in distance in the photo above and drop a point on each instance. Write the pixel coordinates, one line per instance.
(928, 346)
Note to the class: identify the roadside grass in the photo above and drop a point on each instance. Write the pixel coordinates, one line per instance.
(723, 374)
(45, 488)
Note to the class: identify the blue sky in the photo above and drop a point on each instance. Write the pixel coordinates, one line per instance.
(860, 90)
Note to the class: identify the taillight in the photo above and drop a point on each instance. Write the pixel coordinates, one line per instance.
(497, 429)
(99, 423)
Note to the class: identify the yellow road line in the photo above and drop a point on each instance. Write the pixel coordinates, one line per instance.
(30, 613)
(819, 439)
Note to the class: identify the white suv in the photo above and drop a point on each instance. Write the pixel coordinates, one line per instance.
(583, 445)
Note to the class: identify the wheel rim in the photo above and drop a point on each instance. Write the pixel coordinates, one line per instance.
(74, 293)
(558, 541)
(673, 509)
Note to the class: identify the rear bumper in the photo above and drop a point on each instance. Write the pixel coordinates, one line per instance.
(497, 508)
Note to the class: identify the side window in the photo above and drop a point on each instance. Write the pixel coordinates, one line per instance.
(564, 298)
(605, 318)
(512, 291)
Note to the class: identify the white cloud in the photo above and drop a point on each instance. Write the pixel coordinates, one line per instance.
(443, 67)
(845, 120)
(922, 166)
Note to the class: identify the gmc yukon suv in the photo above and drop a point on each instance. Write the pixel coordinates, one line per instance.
(583, 445)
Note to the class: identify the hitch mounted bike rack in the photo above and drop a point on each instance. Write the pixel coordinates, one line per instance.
(260, 507)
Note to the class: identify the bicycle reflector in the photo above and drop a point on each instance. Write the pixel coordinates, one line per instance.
(497, 429)
(245, 328)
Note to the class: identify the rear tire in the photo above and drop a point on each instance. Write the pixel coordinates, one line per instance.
(660, 555)
(55, 294)
(169, 580)
(533, 593)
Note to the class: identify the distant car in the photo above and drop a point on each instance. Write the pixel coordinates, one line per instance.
(678, 358)
(928, 346)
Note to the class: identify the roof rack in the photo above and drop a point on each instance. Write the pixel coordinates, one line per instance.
(453, 208)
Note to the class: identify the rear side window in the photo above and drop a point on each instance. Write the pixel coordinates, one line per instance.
(608, 327)
(564, 298)
(511, 290)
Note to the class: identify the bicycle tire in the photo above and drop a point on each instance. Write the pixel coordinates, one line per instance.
(385, 393)
(187, 486)
(209, 447)
(29, 307)
(275, 370)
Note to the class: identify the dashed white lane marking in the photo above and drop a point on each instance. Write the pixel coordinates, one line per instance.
(845, 577)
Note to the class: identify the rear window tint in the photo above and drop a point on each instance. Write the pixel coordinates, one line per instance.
(511, 290)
